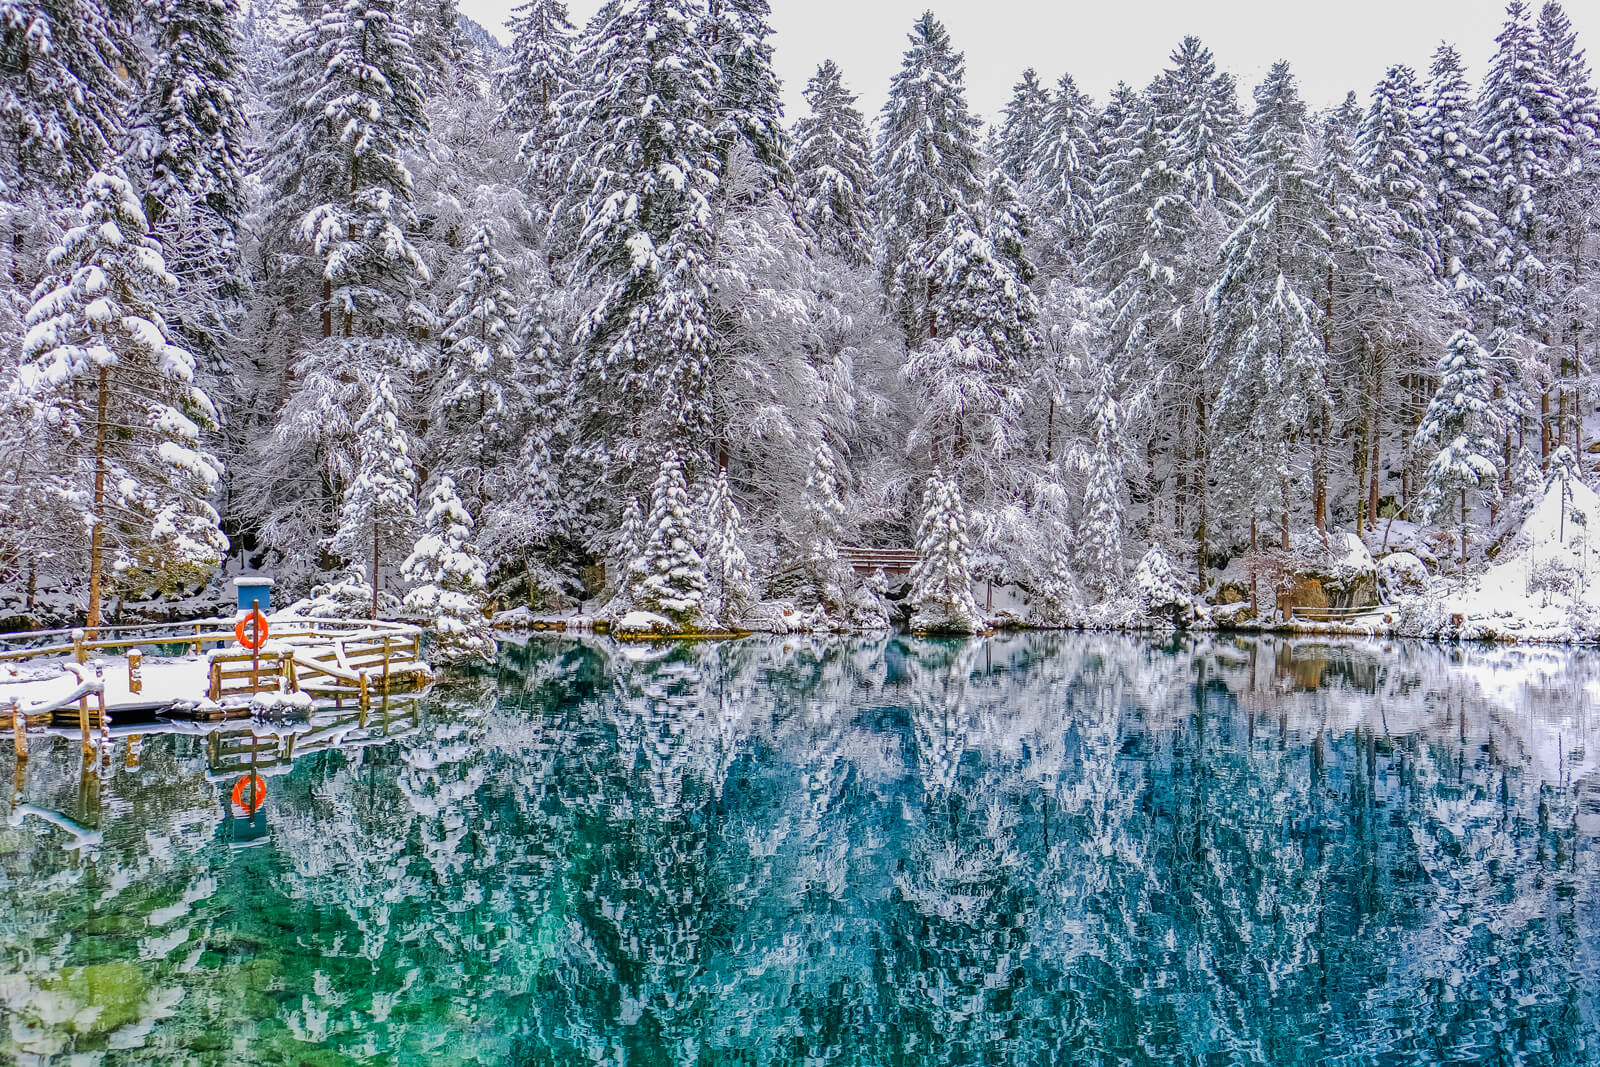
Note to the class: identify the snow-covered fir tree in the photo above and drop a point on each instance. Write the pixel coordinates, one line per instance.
(1023, 127)
(1395, 160)
(1161, 592)
(749, 104)
(1463, 223)
(349, 107)
(1462, 427)
(646, 157)
(532, 83)
(196, 127)
(1063, 171)
(833, 167)
(478, 402)
(670, 577)
(730, 588)
(378, 510)
(1273, 412)
(116, 459)
(66, 90)
(447, 579)
(1523, 139)
(941, 581)
(821, 530)
(928, 172)
(1101, 530)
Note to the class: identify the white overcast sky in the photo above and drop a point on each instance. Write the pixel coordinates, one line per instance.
(1332, 47)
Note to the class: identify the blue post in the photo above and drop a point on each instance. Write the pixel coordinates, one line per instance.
(255, 590)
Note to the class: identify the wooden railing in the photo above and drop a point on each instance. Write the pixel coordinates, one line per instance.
(889, 560)
(1336, 614)
(197, 634)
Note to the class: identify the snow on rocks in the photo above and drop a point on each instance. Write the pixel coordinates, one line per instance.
(1539, 588)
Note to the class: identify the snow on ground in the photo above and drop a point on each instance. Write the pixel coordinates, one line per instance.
(1539, 588)
(167, 681)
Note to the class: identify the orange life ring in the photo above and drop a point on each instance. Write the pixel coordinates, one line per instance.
(251, 629)
(258, 795)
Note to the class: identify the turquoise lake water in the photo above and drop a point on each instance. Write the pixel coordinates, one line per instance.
(1032, 849)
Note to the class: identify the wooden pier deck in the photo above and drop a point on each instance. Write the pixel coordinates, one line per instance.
(75, 679)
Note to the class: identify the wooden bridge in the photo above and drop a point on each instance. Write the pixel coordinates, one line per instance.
(888, 560)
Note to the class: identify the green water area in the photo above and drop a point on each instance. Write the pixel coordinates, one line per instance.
(1033, 849)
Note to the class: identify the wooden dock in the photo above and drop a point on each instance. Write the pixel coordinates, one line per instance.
(342, 660)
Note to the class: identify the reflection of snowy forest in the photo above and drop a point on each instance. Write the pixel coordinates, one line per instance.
(1023, 850)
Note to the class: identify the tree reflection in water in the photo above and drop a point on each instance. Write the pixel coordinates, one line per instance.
(1029, 849)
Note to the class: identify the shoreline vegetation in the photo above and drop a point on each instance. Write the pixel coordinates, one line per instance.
(426, 325)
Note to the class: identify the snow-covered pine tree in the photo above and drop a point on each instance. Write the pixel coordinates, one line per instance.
(444, 55)
(941, 580)
(731, 591)
(1396, 161)
(968, 374)
(478, 403)
(378, 509)
(65, 87)
(821, 528)
(192, 143)
(530, 504)
(1273, 401)
(447, 579)
(646, 158)
(195, 127)
(1463, 426)
(833, 168)
(670, 577)
(120, 416)
(1575, 211)
(1063, 172)
(749, 104)
(1463, 223)
(1200, 119)
(1100, 531)
(1522, 119)
(532, 83)
(1144, 217)
(1161, 591)
(349, 107)
(1023, 127)
(927, 172)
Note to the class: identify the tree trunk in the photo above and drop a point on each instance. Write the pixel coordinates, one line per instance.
(374, 570)
(1463, 530)
(1283, 485)
(1201, 551)
(102, 421)
(1319, 475)
(327, 308)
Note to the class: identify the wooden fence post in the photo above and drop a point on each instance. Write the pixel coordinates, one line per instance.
(135, 671)
(385, 663)
(80, 654)
(216, 681)
(198, 646)
(83, 723)
(105, 727)
(19, 723)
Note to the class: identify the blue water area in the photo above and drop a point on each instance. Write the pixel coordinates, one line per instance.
(1033, 849)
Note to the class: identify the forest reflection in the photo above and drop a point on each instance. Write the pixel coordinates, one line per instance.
(1026, 849)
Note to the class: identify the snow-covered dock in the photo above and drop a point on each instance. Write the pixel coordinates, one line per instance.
(197, 670)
